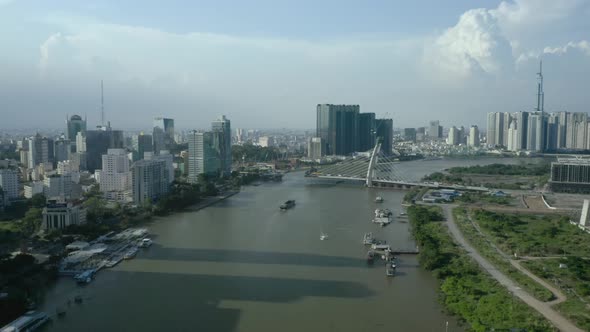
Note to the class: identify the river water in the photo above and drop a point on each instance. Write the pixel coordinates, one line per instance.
(243, 265)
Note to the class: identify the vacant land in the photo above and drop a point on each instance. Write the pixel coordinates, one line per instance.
(573, 277)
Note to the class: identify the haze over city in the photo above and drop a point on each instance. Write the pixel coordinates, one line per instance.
(269, 63)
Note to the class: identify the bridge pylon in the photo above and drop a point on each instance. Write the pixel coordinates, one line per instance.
(372, 163)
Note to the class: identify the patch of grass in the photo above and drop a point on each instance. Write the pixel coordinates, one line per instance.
(478, 241)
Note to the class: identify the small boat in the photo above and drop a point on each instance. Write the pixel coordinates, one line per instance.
(378, 199)
(130, 253)
(370, 256)
(383, 213)
(84, 277)
(368, 239)
(323, 236)
(145, 243)
(288, 204)
(390, 269)
(383, 221)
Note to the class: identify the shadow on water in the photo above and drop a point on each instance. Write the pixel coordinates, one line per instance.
(251, 257)
(199, 301)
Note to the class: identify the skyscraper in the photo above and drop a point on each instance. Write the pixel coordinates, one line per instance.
(512, 139)
(562, 129)
(314, 148)
(40, 150)
(163, 134)
(203, 155)
(338, 126)
(551, 132)
(453, 138)
(473, 136)
(74, 125)
(223, 127)
(98, 142)
(522, 121)
(410, 134)
(535, 137)
(366, 132)
(61, 149)
(435, 130)
(150, 180)
(115, 176)
(576, 131)
(385, 133)
(9, 183)
(142, 144)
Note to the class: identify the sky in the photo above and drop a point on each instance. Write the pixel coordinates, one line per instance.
(268, 63)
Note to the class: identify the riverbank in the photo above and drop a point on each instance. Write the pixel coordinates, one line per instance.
(211, 200)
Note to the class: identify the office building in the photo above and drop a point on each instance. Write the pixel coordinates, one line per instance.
(203, 154)
(435, 130)
(141, 144)
(410, 134)
(473, 136)
(222, 126)
(366, 134)
(314, 148)
(570, 175)
(454, 136)
(61, 215)
(97, 144)
(74, 125)
(40, 150)
(163, 134)
(115, 177)
(338, 127)
(149, 181)
(9, 183)
(385, 134)
(61, 149)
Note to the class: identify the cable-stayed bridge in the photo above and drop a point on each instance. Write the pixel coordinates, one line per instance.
(375, 169)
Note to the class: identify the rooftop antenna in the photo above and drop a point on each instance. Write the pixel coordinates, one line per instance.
(101, 103)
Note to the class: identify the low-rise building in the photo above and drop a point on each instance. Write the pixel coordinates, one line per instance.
(570, 175)
(35, 187)
(61, 215)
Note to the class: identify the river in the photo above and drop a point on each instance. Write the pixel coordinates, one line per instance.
(243, 265)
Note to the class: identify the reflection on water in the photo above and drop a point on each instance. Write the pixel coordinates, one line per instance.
(243, 265)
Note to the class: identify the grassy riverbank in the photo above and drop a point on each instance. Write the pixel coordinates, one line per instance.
(486, 249)
(465, 290)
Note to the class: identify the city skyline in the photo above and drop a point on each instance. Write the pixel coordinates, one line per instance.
(463, 62)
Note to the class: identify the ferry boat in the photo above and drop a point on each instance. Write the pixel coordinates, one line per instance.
(114, 261)
(368, 239)
(145, 243)
(378, 199)
(130, 253)
(84, 277)
(288, 204)
(30, 321)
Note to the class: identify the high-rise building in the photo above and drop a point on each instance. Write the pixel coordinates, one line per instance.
(497, 125)
(512, 139)
(410, 134)
(150, 180)
(168, 160)
(522, 121)
(562, 129)
(222, 126)
(366, 134)
(420, 134)
(61, 149)
(203, 154)
(314, 148)
(40, 150)
(337, 126)
(384, 128)
(435, 130)
(453, 138)
(142, 144)
(163, 134)
(506, 120)
(551, 132)
(115, 176)
(58, 187)
(97, 144)
(535, 134)
(473, 136)
(491, 129)
(75, 125)
(9, 183)
(576, 130)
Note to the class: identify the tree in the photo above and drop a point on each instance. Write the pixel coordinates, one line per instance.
(38, 200)
(95, 208)
(32, 221)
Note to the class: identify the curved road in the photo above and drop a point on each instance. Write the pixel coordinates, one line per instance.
(543, 308)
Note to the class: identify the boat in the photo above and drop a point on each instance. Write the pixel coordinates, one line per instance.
(130, 253)
(383, 213)
(381, 247)
(145, 243)
(368, 239)
(323, 236)
(114, 261)
(84, 277)
(30, 321)
(390, 269)
(288, 204)
(370, 256)
(383, 221)
(378, 199)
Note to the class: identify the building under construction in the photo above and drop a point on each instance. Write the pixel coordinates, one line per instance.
(570, 175)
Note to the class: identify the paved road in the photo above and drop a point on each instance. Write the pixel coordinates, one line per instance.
(543, 308)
